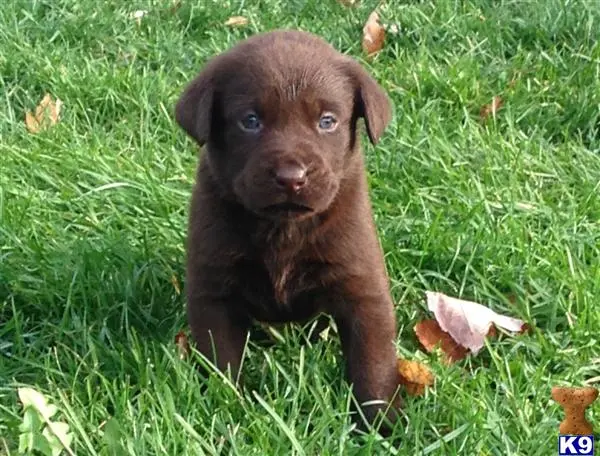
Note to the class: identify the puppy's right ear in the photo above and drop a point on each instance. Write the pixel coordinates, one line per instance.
(193, 111)
(372, 103)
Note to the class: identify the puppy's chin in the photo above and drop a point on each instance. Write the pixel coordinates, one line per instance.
(287, 209)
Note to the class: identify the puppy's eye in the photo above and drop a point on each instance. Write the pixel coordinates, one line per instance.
(327, 122)
(251, 123)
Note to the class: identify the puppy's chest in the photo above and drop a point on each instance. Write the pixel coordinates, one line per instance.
(285, 277)
(279, 288)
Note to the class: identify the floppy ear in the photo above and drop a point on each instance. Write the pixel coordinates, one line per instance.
(193, 111)
(372, 103)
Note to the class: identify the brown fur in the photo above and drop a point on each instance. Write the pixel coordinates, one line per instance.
(249, 263)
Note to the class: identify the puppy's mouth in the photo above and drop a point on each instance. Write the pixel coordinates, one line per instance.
(287, 208)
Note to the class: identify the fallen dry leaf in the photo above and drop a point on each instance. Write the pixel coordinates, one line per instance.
(47, 114)
(236, 21)
(183, 346)
(138, 15)
(373, 34)
(431, 335)
(491, 109)
(467, 322)
(33, 126)
(414, 376)
(175, 283)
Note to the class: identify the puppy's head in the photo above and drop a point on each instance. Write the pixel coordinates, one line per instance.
(278, 113)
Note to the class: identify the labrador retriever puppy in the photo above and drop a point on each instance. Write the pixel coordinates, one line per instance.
(280, 225)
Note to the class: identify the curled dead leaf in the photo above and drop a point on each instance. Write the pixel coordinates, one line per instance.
(236, 21)
(467, 322)
(46, 114)
(183, 346)
(492, 108)
(430, 335)
(373, 35)
(414, 376)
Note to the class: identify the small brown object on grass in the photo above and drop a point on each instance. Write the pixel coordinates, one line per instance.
(183, 346)
(46, 114)
(414, 376)
(373, 35)
(491, 109)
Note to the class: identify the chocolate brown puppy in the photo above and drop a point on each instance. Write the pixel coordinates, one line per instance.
(280, 223)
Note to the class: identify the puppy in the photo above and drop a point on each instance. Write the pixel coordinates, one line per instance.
(280, 223)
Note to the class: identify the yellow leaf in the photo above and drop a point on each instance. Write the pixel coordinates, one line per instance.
(33, 126)
(414, 376)
(175, 283)
(47, 114)
(236, 21)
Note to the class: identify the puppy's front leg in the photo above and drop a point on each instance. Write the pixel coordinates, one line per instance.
(219, 330)
(367, 328)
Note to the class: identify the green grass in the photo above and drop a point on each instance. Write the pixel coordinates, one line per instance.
(93, 220)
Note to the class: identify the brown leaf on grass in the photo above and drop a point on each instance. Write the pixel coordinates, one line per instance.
(431, 335)
(414, 376)
(32, 124)
(373, 35)
(46, 114)
(183, 346)
(236, 21)
(467, 322)
(491, 109)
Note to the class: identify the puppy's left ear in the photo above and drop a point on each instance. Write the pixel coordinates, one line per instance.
(372, 103)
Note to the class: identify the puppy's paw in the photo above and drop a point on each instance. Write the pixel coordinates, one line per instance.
(380, 415)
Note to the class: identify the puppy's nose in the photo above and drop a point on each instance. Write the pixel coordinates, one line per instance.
(291, 177)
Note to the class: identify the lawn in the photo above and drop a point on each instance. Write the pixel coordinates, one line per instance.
(504, 211)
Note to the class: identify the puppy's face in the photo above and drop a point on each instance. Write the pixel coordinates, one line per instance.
(278, 113)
